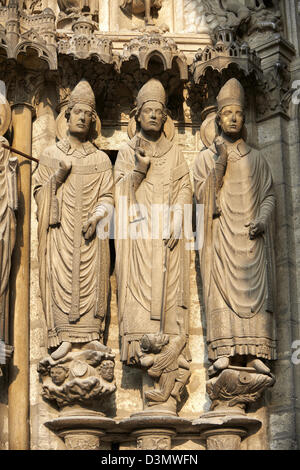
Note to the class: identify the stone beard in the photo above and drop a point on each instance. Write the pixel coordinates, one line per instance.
(140, 262)
(237, 269)
(74, 271)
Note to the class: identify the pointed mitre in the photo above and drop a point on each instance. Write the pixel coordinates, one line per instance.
(84, 94)
(232, 93)
(151, 91)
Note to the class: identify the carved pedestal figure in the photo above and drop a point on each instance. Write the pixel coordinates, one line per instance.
(8, 206)
(73, 190)
(152, 181)
(234, 183)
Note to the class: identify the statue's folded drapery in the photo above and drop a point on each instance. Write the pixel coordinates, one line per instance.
(140, 262)
(237, 272)
(8, 204)
(74, 272)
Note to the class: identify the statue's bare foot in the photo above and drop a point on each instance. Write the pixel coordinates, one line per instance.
(259, 366)
(62, 350)
(220, 364)
(96, 346)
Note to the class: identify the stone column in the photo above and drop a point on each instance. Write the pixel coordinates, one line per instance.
(231, 392)
(18, 392)
(154, 431)
(276, 140)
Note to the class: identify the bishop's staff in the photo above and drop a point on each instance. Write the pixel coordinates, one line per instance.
(18, 152)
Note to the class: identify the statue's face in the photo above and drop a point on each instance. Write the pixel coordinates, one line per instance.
(106, 370)
(231, 120)
(80, 119)
(151, 117)
(58, 375)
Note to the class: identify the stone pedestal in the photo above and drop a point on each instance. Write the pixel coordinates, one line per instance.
(153, 431)
(225, 430)
(231, 392)
(81, 431)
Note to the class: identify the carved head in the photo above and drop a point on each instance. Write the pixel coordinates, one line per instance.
(153, 343)
(151, 113)
(59, 374)
(231, 103)
(81, 111)
(106, 370)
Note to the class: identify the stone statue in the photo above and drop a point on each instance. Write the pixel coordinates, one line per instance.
(234, 184)
(73, 189)
(142, 6)
(225, 13)
(77, 8)
(8, 206)
(165, 363)
(152, 180)
(255, 15)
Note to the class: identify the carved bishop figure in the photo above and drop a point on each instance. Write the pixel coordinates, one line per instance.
(8, 206)
(152, 179)
(73, 190)
(234, 183)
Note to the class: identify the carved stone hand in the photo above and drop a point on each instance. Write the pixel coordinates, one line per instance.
(256, 228)
(176, 231)
(142, 160)
(63, 172)
(90, 227)
(221, 150)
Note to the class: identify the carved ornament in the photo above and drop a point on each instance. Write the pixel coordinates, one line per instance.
(152, 45)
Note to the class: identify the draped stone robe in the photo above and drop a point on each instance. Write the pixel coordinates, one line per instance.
(74, 272)
(237, 273)
(8, 204)
(143, 266)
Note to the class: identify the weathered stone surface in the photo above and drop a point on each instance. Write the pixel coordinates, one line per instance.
(44, 53)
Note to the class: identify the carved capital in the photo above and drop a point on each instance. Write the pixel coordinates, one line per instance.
(154, 439)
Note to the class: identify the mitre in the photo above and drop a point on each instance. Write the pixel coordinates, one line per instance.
(232, 93)
(84, 94)
(151, 91)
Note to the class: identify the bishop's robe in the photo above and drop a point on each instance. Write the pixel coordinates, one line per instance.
(237, 273)
(8, 204)
(74, 272)
(153, 284)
